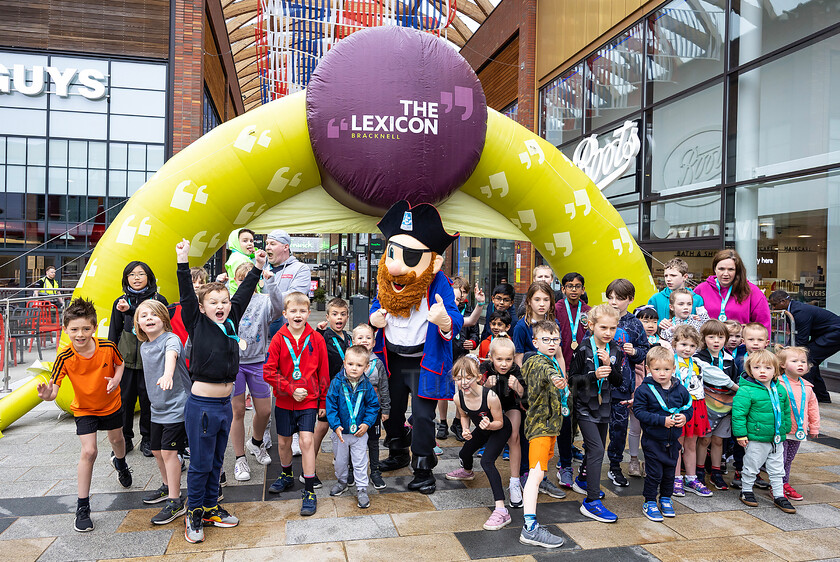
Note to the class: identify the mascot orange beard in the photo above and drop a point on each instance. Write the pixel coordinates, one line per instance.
(414, 288)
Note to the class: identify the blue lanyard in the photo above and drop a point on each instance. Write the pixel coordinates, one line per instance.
(597, 361)
(723, 301)
(573, 323)
(653, 339)
(338, 347)
(734, 354)
(684, 381)
(372, 367)
(564, 393)
(672, 411)
(719, 358)
(234, 337)
(777, 410)
(296, 358)
(353, 411)
(798, 413)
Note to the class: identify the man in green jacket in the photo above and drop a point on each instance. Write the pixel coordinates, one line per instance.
(760, 422)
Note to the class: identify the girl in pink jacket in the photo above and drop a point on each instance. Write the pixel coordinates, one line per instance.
(804, 409)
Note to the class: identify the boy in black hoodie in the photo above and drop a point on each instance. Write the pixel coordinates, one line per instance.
(662, 407)
(212, 320)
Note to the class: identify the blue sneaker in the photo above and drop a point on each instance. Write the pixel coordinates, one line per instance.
(577, 454)
(309, 505)
(565, 477)
(284, 482)
(579, 486)
(666, 507)
(480, 453)
(506, 453)
(438, 451)
(596, 510)
(652, 512)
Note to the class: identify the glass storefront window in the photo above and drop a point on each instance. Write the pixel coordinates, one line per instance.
(615, 78)
(630, 216)
(686, 141)
(759, 27)
(685, 46)
(561, 118)
(788, 115)
(685, 217)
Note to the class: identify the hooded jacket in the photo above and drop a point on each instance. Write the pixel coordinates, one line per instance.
(636, 335)
(253, 327)
(121, 328)
(545, 417)
(652, 416)
(338, 413)
(315, 374)
(753, 309)
(585, 387)
(752, 412)
(811, 423)
(237, 257)
(661, 302)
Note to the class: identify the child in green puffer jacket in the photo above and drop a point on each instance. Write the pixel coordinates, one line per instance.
(760, 421)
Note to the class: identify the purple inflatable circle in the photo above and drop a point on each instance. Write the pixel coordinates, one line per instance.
(394, 113)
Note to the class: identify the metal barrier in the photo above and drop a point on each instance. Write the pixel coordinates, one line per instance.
(782, 328)
(7, 306)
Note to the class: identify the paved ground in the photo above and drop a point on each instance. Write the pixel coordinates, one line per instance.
(39, 453)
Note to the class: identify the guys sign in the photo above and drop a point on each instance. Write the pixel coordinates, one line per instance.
(394, 114)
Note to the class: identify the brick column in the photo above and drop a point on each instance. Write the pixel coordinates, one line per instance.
(186, 66)
(527, 64)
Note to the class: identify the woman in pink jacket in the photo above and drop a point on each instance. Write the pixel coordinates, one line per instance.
(728, 295)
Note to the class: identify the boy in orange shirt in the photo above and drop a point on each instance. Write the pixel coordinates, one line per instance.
(95, 368)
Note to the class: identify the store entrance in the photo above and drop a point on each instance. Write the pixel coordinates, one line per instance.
(699, 264)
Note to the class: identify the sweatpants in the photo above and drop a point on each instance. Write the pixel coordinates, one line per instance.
(208, 426)
(493, 442)
(564, 442)
(355, 450)
(771, 456)
(373, 443)
(132, 387)
(634, 433)
(791, 446)
(660, 466)
(404, 381)
(594, 436)
(524, 464)
(619, 419)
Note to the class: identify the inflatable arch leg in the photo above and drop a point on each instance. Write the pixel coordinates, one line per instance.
(254, 163)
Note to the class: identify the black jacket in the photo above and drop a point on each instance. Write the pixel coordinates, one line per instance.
(466, 333)
(585, 387)
(333, 355)
(509, 399)
(213, 357)
(121, 328)
(815, 325)
(650, 414)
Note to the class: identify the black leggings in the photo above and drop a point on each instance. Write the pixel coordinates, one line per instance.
(493, 442)
(594, 437)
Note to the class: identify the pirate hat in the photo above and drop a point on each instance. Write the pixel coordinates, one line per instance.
(421, 221)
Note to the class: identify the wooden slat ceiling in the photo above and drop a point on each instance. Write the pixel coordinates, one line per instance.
(240, 19)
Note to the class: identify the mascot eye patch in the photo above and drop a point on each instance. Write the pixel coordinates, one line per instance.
(411, 257)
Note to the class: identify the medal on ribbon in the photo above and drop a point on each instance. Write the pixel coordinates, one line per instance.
(296, 374)
(597, 362)
(573, 324)
(800, 434)
(723, 301)
(352, 410)
(798, 412)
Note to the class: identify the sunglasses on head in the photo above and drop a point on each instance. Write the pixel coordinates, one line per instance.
(411, 256)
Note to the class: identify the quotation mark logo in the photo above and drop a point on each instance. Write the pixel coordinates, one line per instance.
(533, 149)
(581, 200)
(463, 98)
(182, 199)
(623, 238)
(127, 232)
(497, 182)
(248, 138)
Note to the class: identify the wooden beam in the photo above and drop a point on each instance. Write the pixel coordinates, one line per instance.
(244, 64)
(462, 29)
(241, 7)
(485, 6)
(217, 24)
(243, 32)
(237, 47)
(237, 22)
(471, 10)
(245, 54)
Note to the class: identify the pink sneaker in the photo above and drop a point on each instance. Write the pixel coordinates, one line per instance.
(498, 519)
(460, 474)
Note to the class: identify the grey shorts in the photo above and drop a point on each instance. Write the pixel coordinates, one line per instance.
(720, 424)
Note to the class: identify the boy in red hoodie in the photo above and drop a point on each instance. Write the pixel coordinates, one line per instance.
(298, 371)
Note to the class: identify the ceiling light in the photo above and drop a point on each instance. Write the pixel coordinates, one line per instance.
(804, 236)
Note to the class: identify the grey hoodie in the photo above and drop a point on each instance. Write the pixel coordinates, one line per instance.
(253, 327)
(378, 377)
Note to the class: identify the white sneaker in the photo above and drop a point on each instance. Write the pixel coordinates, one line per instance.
(295, 446)
(241, 470)
(267, 438)
(515, 494)
(262, 455)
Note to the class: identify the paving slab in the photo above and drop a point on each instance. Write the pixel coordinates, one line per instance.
(105, 524)
(445, 548)
(624, 532)
(616, 554)
(322, 552)
(340, 529)
(736, 549)
(505, 542)
(810, 544)
(815, 516)
(87, 546)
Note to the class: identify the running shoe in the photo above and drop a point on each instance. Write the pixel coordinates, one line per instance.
(596, 510)
(666, 507)
(540, 536)
(698, 488)
(498, 519)
(792, 494)
(170, 512)
(651, 511)
(460, 474)
(83, 522)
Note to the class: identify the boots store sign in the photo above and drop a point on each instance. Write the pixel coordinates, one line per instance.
(605, 164)
(34, 80)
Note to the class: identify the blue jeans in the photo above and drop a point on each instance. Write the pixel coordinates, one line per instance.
(208, 426)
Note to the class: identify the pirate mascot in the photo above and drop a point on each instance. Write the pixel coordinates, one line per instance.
(415, 316)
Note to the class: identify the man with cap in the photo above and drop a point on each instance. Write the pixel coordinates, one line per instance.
(285, 269)
(416, 317)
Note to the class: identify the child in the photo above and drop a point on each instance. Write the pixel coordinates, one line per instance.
(686, 340)
(253, 330)
(241, 246)
(95, 404)
(735, 344)
(199, 277)
(378, 377)
(804, 409)
(760, 420)
(595, 371)
(662, 406)
(503, 376)
(337, 340)
(167, 383)
(492, 430)
(649, 318)
(570, 312)
(352, 409)
(539, 305)
(502, 299)
(681, 306)
(542, 274)
(499, 327)
(212, 319)
(620, 293)
(719, 386)
(547, 396)
(298, 370)
(676, 276)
